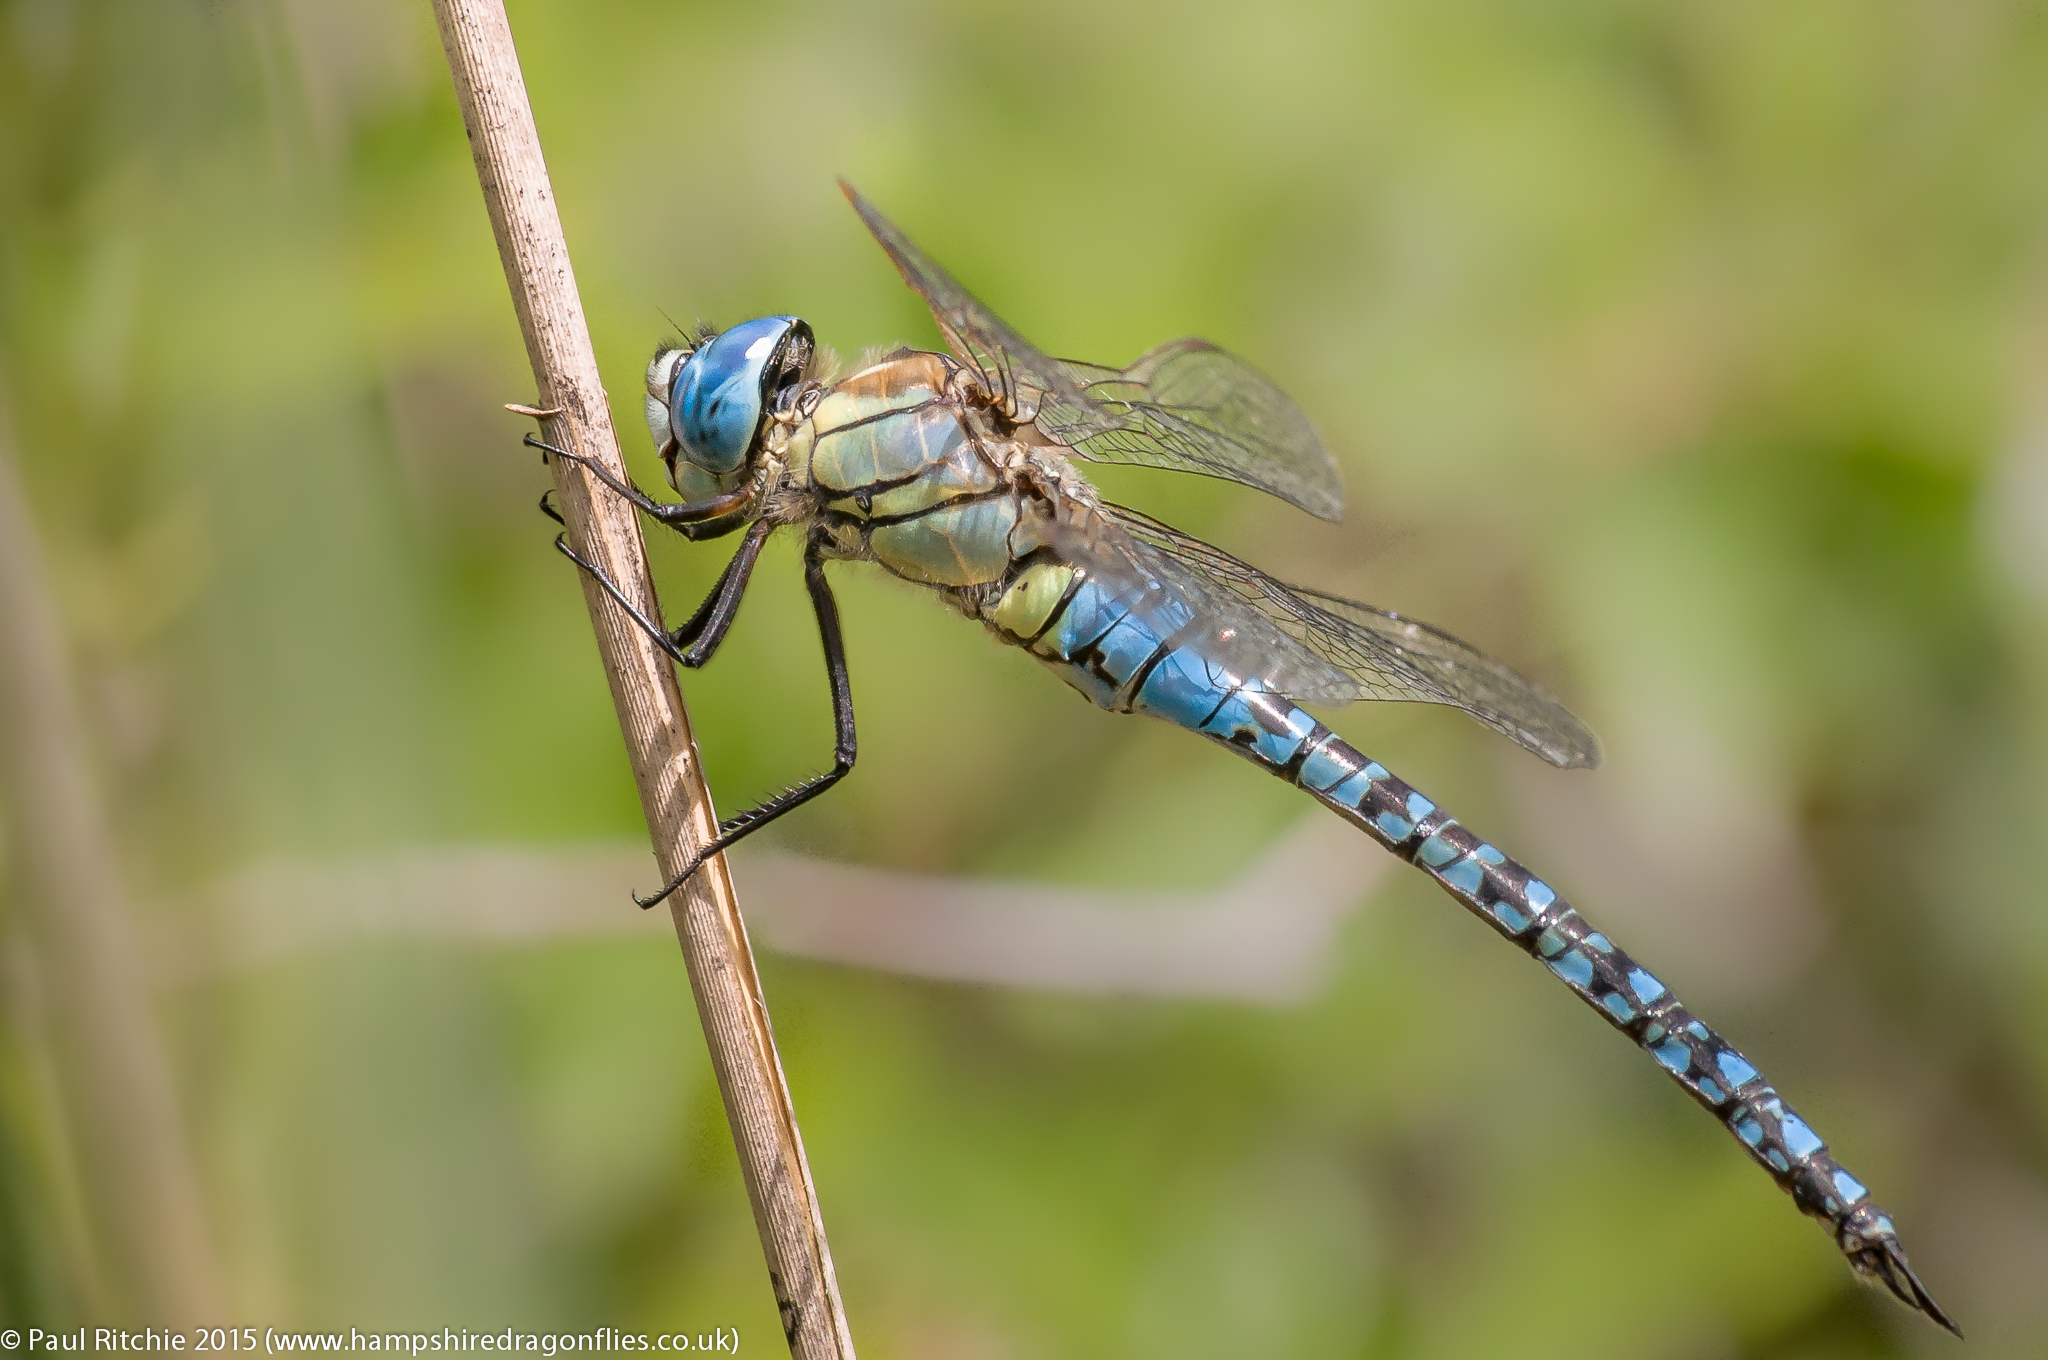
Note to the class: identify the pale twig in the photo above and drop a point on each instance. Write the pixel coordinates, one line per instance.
(1267, 937)
(574, 416)
(121, 1107)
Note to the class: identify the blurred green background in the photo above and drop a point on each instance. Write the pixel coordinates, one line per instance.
(1693, 357)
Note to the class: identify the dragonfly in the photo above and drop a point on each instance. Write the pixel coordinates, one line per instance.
(958, 472)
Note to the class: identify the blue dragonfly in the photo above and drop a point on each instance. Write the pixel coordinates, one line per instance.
(957, 472)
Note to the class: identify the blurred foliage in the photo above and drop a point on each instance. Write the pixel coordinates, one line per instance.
(1689, 355)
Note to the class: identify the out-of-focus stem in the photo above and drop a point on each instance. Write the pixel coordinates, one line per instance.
(149, 1228)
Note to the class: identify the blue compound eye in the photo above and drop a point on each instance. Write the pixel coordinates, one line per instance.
(724, 392)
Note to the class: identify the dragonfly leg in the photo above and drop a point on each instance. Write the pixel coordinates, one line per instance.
(694, 643)
(705, 629)
(691, 519)
(744, 824)
(611, 588)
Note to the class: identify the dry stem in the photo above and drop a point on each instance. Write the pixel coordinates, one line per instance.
(506, 148)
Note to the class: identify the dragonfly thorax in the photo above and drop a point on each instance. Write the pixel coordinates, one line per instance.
(906, 465)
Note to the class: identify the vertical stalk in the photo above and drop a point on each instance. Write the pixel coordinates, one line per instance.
(142, 1194)
(506, 148)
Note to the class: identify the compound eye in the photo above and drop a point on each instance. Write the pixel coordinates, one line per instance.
(719, 404)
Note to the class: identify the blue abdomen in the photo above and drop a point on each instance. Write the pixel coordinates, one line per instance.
(1127, 664)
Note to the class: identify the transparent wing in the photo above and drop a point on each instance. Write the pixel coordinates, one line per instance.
(1178, 600)
(1186, 406)
(1375, 653)
(1192, 407)
(1013, 371)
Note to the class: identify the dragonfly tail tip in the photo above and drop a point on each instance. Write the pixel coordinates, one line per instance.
(1886, 1260)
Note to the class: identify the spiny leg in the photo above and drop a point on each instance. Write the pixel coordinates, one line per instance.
(715, 615)
(706, 628)
(691, 519)
(610, 587)
(744, 824)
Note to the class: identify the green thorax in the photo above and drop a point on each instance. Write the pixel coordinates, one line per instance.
(901, 473)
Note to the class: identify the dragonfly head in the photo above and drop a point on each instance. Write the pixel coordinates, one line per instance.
(709, 405)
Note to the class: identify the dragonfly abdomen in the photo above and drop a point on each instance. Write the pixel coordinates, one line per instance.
(1526, 910)
(1121, 662)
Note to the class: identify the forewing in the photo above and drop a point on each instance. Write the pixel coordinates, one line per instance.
(1184, 604)
(1187, 405)
(1191, 407)
(1383, 655)
(1013, 371)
